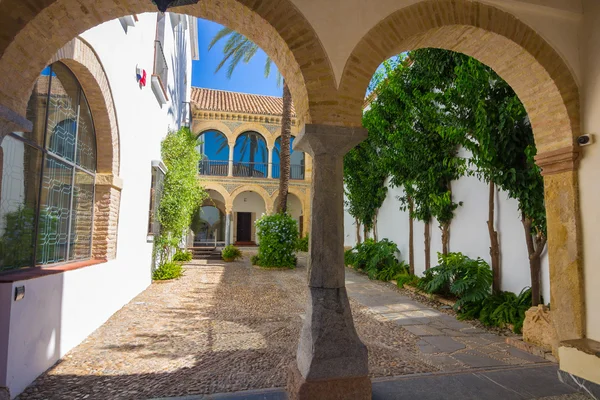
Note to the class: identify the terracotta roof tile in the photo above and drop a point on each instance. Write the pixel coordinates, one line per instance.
(222, 100)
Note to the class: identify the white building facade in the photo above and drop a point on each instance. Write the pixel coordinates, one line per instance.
(82, 181)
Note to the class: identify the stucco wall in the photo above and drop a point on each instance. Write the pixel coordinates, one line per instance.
(589, 172)
(61, 310)
(468, 232)
(248, 202)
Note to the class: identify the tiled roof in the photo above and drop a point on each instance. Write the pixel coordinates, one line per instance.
(222, 100)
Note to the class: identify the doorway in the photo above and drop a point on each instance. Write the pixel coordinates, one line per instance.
(244, 227)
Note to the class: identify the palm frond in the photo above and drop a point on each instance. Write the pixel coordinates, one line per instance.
(220, 35)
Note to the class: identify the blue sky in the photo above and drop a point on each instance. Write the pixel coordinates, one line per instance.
(247, 78)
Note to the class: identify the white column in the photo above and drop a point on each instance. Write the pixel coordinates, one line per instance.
(270, 165)
(228, 228)
(230, 167)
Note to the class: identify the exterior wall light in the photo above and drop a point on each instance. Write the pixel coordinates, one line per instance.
(164, 4)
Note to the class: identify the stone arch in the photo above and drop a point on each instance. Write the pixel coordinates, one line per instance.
(203, 126)
(277, 26)
(83, 61)
(536, 72)
(296, 192)
(217, 187)
(257, 189)
(254, 127)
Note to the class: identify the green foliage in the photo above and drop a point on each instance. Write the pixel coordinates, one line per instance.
(255, 260)
(182, 255)
(506, 308)
(182, 193)
(16, 244)
(302, 243)
(277, 235)
(169, 270)
(467, 279)
(379, 260)
(364, 182)
(231, 253)
(407, 279)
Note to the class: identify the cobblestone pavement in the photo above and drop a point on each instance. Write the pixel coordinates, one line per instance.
(220, 328)
(444, 342)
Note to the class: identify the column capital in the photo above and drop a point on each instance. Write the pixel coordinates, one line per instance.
(109, 180)
(557, 161)
(318, 139)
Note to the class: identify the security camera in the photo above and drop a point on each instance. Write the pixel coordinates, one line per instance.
(585, 140)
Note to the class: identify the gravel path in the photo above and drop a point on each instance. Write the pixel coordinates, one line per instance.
(219, 328)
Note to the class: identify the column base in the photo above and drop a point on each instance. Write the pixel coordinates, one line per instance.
(352, 388)
(4, 393)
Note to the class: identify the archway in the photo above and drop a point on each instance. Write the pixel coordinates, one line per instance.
(250, 155)
(214, 147)
(248, 206)
(276, 35)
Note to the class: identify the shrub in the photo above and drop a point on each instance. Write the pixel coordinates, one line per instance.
(506, 308)
(182, 255)
(170, 270)
(277, 236)
(467, 279)
(231, 253)
(392, 271)
(302, 243)
(255, 260)
(407, 279)
(375, 257)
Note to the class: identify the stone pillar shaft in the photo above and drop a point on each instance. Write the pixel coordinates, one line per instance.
(228, 228)
(332, 362)
(270, 164)
(230, 165)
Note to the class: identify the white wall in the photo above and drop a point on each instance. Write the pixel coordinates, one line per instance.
(61, 310)
(250, 202)
(468, 232)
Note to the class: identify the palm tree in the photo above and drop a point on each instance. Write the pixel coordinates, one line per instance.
(240, 48)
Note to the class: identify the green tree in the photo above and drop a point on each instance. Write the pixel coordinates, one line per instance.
(239, 48)
(364, 181)
(182, 193)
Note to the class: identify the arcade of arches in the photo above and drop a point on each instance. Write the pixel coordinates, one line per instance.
(327, 53)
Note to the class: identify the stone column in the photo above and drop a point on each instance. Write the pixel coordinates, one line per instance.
(106, 216)
(270, 164)
(228, 228)
(565, 253)
(331, 359)
(230, 166)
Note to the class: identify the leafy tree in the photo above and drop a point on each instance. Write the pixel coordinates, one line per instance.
(364, 179)
(182, 193)
(497, 132)
(239, 48)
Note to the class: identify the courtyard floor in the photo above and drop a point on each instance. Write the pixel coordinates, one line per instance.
(233, 327)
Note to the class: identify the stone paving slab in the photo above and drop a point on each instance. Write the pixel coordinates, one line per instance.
(445, 342)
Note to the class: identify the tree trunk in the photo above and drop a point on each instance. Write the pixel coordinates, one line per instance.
(445, 238)
(535, 246)
(358, 238)
(375, 225)
(284, 151)
(365, 232)
(494, 246)
(427, 246)
(411, 238)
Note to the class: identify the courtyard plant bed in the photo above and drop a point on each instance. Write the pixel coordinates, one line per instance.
(378, 259)
(231, 253)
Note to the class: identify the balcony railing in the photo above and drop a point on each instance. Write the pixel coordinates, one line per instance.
(213, 167)
(296, 171)
(250, 169)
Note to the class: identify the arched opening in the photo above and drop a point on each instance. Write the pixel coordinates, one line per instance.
(214, 147)
(297, 160)
(248, 206)
(47, 198)
(250, 155)
(209, 221)
(295, 209)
